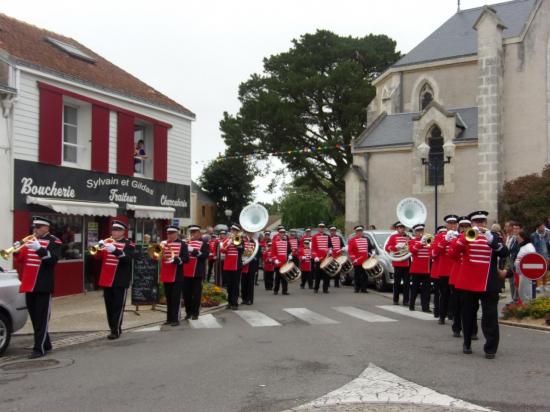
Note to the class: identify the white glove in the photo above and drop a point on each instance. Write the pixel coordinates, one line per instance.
(290, 257)
(190, 248)
(17, 244)
(424, 240)
(344, 249)
(316, 259)
(34, 245)
(277, 261)
(110, 247)
(400, 245)
(101, 243)
(163, 243)
(449, 235)
(329, 252)
(489, 236)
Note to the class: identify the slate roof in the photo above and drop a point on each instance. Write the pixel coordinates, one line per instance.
(201, 194)
(27, 45)
(457, 37)
(397, 129)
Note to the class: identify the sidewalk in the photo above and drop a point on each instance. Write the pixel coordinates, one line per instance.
(86, 313)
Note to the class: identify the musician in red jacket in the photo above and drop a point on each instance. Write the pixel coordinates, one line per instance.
(306, 235)
(269, 267)
(358, 251)
(117, 254)
(337, 245)
(194, 271)
(174, 255)
(281, 252)
(479, 280)
(442, 263)
(420, 269)
(212, 255)
(305, 257)
(232, 265)
(36, 260)
(320, 248)
(434, 272)
(395, 243)
(248, 273)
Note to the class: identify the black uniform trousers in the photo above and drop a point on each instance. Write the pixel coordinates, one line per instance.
(247, 285)
(39, 306)
(444, 295)
(401, 274)
(268, 279)
(360, 279)
(172, 291)
(192, 292)
(233, 278)
(320, 275)
(489, 318)
(115, 299)
(435, 288)
(455, 309)
(307, 278)
(420, 283)
(336, 281)
(280, 281)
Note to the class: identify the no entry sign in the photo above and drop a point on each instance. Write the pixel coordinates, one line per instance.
(533, 266)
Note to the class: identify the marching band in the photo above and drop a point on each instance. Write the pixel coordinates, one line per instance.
(459, 265)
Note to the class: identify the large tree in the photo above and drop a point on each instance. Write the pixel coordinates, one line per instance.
(312, 96)
(302, 207)
(229, 182)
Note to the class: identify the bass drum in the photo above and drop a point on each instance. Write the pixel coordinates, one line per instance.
(290, 272)
(330, 266)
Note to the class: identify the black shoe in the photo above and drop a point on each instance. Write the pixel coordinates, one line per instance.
(195, 317)
(355, 291)
(36, 354)
(474, 337)
(396, 303)
(286, 293)
(436, 315)
(456, 334)
(302, 286)
(365, 291)
(449, 317)
(489, 356)
(315, 290)
(112, 336)
(309, 287)
(175, 324)
(235, 307)
(411, 308)
(326, 291)
(426, 311)
(167, 323)
(187, 317)
(466, 350)
(405, 303)
(441, 321)
(276, 293)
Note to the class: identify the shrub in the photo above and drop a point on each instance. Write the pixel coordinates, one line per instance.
(538, 308)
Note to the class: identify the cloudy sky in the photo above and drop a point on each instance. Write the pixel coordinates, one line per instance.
(197, 52)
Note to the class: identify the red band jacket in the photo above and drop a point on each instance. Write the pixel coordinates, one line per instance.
(420, 259)
(173, 257)
(358, 249)
(116, 267)
(36, 268)
(391, 246)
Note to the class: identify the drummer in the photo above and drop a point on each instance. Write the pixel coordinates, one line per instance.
(281, 252)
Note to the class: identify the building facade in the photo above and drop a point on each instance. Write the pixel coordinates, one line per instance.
(477, 92)
(84, 142)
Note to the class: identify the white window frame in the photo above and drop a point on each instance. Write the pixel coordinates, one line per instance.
(64, 143)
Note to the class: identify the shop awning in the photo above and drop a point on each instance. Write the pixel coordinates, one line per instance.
(70, 207)
(152, 212)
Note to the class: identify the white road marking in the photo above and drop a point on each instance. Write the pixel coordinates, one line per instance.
(256, 319)
(205, 322)
(155, 328)
(362, 314)
(402, 310)
(310, 317)
(377, 386)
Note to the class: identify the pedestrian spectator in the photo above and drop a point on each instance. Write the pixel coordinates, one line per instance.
(541, 241)
(372, 227)
(139, 157)
(525, 284)
(512, 229)
(547, 223)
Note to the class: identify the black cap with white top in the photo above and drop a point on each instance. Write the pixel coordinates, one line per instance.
(39, 220)
(117, 224)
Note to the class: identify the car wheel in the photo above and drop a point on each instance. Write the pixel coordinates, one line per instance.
(5, 333)
(381, 284)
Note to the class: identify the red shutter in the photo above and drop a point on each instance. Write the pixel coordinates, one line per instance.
(100, 139)
(125, 144)
(160, 153)
(49, 129)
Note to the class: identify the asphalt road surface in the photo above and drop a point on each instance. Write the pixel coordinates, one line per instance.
(290, 351)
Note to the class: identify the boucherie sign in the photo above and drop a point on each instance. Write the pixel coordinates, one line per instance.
(55, 182)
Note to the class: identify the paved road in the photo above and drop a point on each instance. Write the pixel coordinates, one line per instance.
(292, 350)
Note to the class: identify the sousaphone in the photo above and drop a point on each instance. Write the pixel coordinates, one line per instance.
(253, 219)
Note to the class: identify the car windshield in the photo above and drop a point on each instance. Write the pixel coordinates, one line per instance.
(381, 238)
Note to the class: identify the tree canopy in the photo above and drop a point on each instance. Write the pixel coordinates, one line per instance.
(229, 182)
(302, 207)
(313, 95)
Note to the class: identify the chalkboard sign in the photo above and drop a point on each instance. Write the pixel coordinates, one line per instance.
(145, 278)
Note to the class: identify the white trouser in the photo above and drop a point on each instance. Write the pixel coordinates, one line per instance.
(525, 289)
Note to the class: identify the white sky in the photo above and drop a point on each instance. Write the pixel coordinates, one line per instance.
(199, 52)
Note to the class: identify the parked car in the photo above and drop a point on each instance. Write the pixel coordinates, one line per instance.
(378, 239)
(13, 310)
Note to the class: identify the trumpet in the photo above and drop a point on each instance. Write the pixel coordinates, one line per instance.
(428, 239)
(156, 251)
(472, 233)
(237, 239)
(96, 248)
(5, 253)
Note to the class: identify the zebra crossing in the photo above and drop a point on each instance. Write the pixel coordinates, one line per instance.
(258, 319)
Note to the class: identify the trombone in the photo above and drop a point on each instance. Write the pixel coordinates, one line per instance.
(96, 248)
(5, 253)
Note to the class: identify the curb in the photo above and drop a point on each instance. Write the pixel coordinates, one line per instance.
(524, 325)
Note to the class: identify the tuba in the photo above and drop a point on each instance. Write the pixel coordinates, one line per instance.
(253, 219)
(410, 211)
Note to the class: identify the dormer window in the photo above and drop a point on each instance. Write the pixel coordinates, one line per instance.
(71, 50)
(426, 96)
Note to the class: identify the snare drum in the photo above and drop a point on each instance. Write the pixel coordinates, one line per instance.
(330, 266)
(373, 267)
(345, 263)
(290, 272)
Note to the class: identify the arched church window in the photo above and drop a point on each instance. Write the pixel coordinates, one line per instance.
(426, 95)
(436, 168)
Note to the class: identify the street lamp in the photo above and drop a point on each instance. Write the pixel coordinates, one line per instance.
(437, 165)
(228, 213)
